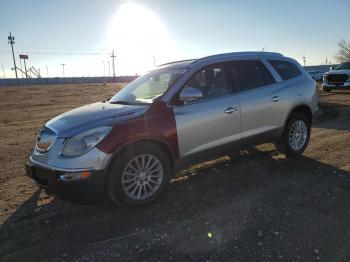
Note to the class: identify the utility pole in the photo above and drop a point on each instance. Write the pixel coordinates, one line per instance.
(326, 60)
(109, 69)
(20, 61)
(47, 72)
(3, 70)
(11, 41)
(25, 67)
(304, 60)
(63, 69)
(154, 60)
(24, 57)
(113, 65)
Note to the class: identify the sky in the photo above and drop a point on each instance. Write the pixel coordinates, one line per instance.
(82, 33)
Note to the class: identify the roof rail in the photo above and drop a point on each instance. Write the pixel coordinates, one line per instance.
(225, 55)
(175, 62)
(240, 53)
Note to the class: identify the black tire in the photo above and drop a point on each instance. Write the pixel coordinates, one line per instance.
(234, 155)
(285, 145)
(114, 185)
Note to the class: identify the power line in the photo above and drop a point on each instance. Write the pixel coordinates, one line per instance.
(56, 53)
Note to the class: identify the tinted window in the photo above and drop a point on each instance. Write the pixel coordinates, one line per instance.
(211, 81)
(249, 74)
(286, 70)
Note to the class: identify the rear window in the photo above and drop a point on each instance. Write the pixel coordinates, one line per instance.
(250, 74)
(286, 69)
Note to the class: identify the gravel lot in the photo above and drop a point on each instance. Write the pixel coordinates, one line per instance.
(261, 207)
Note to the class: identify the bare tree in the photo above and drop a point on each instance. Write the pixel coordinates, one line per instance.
(343, 52)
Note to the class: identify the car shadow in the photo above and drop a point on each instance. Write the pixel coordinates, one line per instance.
(221, 196)
(333, 116)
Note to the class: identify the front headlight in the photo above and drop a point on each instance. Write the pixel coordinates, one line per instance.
(83, 142)
(324, 78)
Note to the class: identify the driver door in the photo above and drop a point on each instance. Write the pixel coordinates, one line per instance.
(211, 121)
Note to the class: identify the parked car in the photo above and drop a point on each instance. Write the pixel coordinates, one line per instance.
(337, 78)
(315, 74)
(180, 113)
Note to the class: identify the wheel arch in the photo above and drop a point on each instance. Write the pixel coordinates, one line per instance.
(302, 109)
(153, 141)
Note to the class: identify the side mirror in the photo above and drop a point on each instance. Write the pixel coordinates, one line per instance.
(331, 68)
(189, 94)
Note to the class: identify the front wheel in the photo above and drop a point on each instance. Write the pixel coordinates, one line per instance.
(139, 175)
(296, 135)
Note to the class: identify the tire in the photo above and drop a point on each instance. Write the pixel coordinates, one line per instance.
(121, 175)
(296, 125)
(234, 155)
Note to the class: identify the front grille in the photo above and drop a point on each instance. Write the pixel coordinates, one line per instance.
(336, 78)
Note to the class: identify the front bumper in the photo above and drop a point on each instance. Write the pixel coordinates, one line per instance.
(67, 183)
(345, 85)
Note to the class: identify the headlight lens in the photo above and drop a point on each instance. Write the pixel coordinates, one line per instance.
(84, 142)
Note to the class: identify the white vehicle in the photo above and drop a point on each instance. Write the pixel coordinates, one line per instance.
(315, 74)
(337, 78)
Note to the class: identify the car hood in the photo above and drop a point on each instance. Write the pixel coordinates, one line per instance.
(343, 71)
(93, 115)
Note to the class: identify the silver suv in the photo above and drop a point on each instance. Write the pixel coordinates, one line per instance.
(180, 113)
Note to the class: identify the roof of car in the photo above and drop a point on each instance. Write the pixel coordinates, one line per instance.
(186, 63)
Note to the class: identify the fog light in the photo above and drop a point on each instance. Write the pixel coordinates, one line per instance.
(75, 176)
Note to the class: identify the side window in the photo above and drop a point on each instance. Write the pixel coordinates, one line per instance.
(250, 74)
(285, 69)
(211, 80)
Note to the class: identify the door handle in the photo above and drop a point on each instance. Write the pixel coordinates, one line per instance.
(230, 110)
(276, 98)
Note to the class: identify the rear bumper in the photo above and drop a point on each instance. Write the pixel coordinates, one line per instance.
(72, 184)
(345, 85)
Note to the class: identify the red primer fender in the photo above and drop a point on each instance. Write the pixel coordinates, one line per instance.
(158, 123)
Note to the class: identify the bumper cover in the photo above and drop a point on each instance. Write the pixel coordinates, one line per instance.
(49, 178)
(345, 85)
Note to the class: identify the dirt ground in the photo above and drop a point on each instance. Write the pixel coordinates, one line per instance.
(261, 207)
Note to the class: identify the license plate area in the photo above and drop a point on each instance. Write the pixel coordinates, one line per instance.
(43, 177)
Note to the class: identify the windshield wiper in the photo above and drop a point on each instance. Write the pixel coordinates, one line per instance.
(122, 102)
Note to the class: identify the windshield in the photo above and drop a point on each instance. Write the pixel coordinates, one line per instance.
(345, 65)
(145, 89)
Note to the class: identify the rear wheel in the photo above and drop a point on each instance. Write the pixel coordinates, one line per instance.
(296, 135)
(139, 175)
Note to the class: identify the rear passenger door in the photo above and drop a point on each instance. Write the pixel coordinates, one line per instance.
(261, 99)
